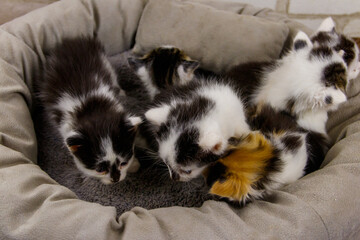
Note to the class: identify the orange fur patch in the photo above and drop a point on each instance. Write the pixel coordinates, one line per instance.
(245, 165)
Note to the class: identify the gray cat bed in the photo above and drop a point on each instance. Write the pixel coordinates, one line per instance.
(322, 205)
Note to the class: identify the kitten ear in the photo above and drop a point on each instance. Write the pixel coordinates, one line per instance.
(301, 41)
(328, 25)
(190, 65)
(74, 143)
(158, 115)
(212, 142)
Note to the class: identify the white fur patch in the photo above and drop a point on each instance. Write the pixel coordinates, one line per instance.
(327, 25)
(167, 46)
(107, 147)
(158, 115)
(228, 112)
(293, 164)
(185, 77)
(167, 150)
(144, 76)
(135, 121)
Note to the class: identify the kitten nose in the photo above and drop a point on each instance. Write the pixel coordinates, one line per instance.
(114, 174)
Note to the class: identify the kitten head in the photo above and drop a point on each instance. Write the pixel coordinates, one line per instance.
(180, 145)
(102, 146)
(317, 76)
(165, 66)
(326, 35)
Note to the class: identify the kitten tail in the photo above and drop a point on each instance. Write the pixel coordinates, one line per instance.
(236, 176)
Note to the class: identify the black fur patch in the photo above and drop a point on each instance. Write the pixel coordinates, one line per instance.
(269, 120)
(163, 64)
(189, 112)
(114, 173)
(187, 147)
(58, 115)
(291, 142)
(103, 166)
(321, 38)
(317, 146)
(189, 152)
(335, 75)
(86, 152)
(299, 44)
(348, 46)
(248, 77)
(215, 172)
(321, 52)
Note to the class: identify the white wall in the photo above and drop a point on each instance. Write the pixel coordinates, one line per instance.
(346, 13)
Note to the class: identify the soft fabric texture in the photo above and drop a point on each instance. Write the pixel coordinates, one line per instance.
(322, 205)
(216, 38)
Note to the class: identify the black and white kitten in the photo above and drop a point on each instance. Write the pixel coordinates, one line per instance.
(163, 67)
(143, 77)
(326, 35)
(278, 153)
(307, 82)
(80, 95)
(193, 123)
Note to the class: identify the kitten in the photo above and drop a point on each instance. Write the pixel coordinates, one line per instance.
(163, 67)
(326, 35)
(80, 95)
(143, 77)
(307, 82)
(193, 123)
(279, 153)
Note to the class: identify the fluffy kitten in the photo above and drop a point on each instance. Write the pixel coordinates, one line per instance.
(80, 94)
(307, 82)
(142, 78)
(326, 35)
(279, 153)
(163, 67)
(193, 123)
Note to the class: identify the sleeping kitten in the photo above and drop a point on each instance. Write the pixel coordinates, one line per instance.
(326, 35)
(163, 67)
(80, 94)
(142, 78)
(279, 153)
(193, 123)
(307, 82)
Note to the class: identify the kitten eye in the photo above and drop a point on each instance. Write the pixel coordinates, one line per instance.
(185, 171)
(123, 164)
(102, 173)
(102, 168)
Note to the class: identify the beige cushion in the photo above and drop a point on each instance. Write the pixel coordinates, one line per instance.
(218, 39)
